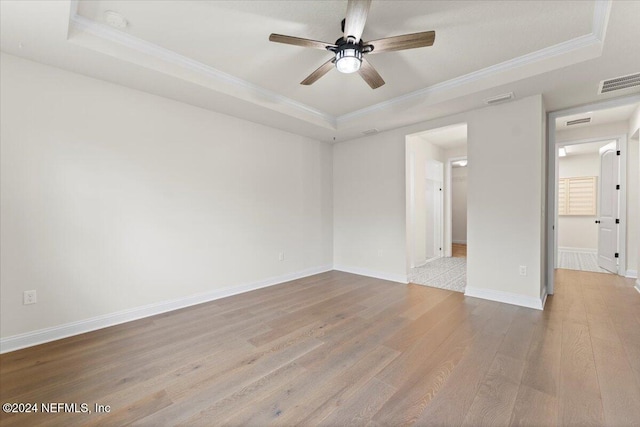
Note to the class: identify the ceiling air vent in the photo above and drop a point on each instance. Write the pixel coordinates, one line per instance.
(618, 83)
(500, 98)
(371, 131)
(579, 121)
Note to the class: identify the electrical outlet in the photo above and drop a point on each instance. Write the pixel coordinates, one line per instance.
(281, 256)
(523, 270)
(29, 297)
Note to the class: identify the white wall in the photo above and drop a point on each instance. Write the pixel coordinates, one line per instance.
(633, 175)
(459, 205)
(578, 232)
(369, 203)
(420, 153)
(448, 214)
(505, 198)
(505, 203)
(634, 136)
(633, 206)
(112, 199)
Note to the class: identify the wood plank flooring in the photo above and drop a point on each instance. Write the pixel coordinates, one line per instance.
(340, 349)
(458, 250)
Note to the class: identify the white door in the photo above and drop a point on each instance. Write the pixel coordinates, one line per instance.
(434, 199)
(608, 209)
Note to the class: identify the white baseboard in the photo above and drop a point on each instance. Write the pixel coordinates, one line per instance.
(631, 274)
(459, 242)
(507, 297)
(638, 285)
(41, 336)
(580, 250)
(370, 273)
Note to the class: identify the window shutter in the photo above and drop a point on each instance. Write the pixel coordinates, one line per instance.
(577, 196)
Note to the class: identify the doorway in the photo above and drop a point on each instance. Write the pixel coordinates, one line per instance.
(613, 120)
(458, 211)
(433, 160)
(588, 205)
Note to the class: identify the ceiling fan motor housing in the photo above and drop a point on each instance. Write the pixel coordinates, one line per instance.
(349, 54)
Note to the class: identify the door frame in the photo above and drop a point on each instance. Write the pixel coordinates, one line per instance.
(621, 143)
(448, 231)
(552, 162)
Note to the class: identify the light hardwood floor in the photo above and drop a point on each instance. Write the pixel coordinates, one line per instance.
(338, 349)
(458, 250)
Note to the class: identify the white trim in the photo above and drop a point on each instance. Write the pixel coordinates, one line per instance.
(459, 242)
(621, 144)
(41, 336)
(552, 169)
(510, 65)
(638, 285)
(410, 162)
(107, 33)
(601, 11)
(580, 250)
(371, 273)
(599, 23)
(507, 297)
(631, 274)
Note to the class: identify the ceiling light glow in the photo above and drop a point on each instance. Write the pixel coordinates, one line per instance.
(348, 60)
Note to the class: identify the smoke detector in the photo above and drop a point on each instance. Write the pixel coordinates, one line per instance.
(115, 20)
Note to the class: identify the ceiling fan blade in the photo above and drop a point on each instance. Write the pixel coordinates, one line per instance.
(370, 75)
(297, 41)
(407, 41)
(357, 11)
(321, 71)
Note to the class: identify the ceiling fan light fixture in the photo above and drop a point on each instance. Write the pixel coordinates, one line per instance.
(348, 60)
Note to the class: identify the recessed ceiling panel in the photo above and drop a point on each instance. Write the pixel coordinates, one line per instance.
(232, 36)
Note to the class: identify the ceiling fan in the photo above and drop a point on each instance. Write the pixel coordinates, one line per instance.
(349, 49)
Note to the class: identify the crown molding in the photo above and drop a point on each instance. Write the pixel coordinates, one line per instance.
(241, 88)
(591, 43)
(601, 12)
(510, 65)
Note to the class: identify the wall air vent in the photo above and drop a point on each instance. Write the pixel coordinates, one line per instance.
(371, 131)
(498, 99)
(579, 121)
(619, 83)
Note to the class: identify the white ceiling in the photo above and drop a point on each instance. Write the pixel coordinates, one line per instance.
(216, 55)
(233, 37)
(586, 148)
(448, 137)
(598, 117)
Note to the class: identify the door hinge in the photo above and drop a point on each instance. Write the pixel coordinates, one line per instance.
(618, 153)
(617, 221)
(616, 255)
(617, 186)
(441, 189)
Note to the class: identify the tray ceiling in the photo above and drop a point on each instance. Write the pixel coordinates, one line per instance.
(216, 55)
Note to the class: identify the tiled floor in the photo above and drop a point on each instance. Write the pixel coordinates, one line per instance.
(444, 273)
(579, 261)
